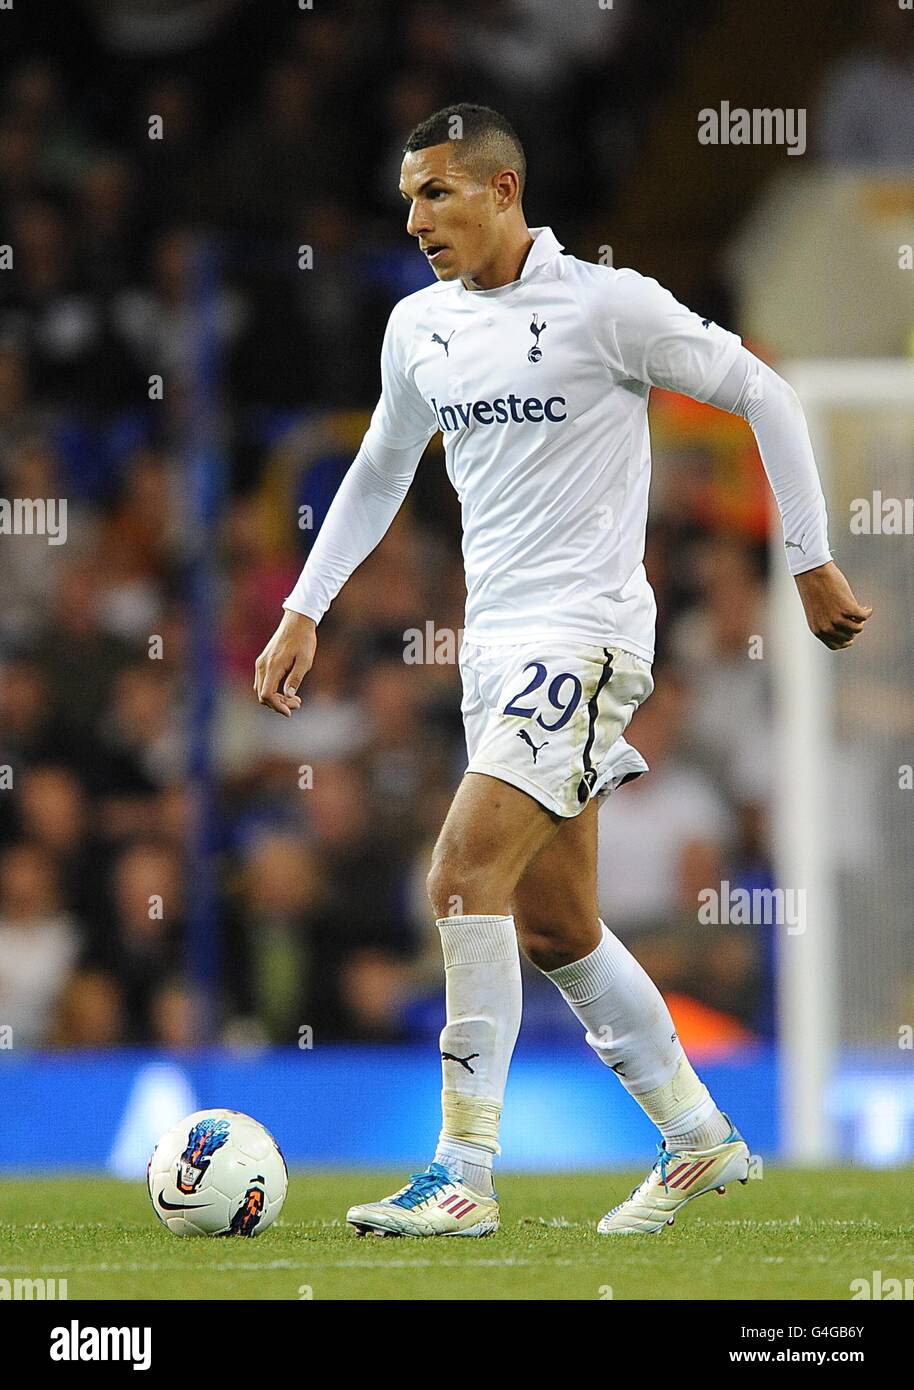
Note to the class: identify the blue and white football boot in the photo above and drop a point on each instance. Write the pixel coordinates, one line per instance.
(676, 1178)
(433, 1203)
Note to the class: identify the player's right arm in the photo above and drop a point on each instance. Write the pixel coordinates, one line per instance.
(359, 516)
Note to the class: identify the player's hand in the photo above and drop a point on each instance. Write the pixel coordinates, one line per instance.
(833, 614)
(284, 662)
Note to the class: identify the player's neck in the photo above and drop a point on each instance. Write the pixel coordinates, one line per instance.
(505, 267)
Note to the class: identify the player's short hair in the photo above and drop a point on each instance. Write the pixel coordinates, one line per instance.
(489, 143)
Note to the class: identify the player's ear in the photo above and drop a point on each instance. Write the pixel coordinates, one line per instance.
(506, 188)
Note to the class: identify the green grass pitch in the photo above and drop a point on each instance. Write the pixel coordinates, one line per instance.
(789, 1235)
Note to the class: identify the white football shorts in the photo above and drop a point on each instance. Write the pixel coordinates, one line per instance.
(548, 716)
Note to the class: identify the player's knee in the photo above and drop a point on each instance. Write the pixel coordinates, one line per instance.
(455, 890)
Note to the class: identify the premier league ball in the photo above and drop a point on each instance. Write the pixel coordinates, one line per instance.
(217, 1173)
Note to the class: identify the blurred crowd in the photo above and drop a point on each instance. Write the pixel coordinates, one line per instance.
(273, 138)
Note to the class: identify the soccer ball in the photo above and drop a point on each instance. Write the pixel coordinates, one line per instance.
(217, 1173)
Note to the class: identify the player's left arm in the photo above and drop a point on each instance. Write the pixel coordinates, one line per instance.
(647, 334)
(769, 403)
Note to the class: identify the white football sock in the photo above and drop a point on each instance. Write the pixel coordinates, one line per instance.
(467, 1161)
(685, 1112)
(483, 989)
(630, 1029)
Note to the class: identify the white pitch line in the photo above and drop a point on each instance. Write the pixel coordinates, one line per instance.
(795, 1221)
(506, 1263)
(143, 1268)
(255, 1266)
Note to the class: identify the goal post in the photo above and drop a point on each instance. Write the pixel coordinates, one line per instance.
(835, 768)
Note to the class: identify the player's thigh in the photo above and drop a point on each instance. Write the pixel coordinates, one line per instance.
(556, 895)
(490, 834)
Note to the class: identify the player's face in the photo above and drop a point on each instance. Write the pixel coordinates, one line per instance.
(452, 214)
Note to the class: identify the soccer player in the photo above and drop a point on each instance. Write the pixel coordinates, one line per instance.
(537, 367)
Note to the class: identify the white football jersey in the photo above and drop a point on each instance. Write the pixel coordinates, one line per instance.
(540, 389)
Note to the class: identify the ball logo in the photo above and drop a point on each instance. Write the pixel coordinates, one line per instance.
(202, 1142)
(536, 352)
(247, 1217)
